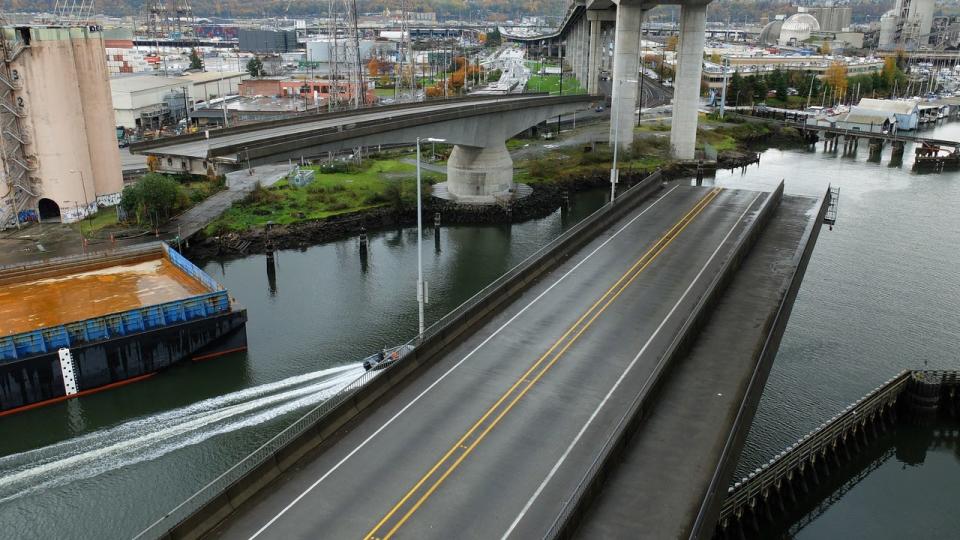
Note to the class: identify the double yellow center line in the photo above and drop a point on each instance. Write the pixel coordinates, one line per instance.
(444, 467)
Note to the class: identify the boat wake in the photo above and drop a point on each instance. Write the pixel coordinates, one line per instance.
(153, 436)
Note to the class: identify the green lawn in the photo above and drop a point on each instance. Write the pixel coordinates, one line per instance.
(354, 188)
(90, 226)
(551, 84)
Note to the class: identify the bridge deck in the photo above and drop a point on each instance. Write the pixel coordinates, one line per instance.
(495, 436)
(203, 148)
(702, 394)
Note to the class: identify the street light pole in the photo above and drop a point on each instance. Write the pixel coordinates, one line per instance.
(421, 285)
(419, 245)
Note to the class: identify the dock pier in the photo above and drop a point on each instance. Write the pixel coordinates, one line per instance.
(772, 491)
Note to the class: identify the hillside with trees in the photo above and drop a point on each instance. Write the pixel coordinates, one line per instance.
(445, 9)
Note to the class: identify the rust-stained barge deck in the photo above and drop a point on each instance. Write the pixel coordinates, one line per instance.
(71, 326)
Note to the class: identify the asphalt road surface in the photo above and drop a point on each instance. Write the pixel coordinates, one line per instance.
(491, 440)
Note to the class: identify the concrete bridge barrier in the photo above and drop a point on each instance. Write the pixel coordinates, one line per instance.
(612, 450)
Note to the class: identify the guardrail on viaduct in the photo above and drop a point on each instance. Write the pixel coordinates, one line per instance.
(754, 501)
(215, 501)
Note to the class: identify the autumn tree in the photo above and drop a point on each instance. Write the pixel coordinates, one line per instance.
(672, 42)
(373, 67)
(457, 80)
(836, 76)
(890, 71)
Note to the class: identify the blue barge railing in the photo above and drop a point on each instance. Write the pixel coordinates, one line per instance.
(46, 340)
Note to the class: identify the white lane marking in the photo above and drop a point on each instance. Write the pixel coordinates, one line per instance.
(449, 371)
(623, 376)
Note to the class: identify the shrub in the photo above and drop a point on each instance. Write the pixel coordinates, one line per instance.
(153, 197)
(261, 195)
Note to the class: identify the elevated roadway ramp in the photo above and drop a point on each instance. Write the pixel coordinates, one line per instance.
(493, 438)
(478, 127)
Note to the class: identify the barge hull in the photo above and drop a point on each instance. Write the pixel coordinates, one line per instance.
(104, 363)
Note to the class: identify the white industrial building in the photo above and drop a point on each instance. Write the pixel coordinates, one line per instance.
(148, 101)
(206, 85)
(868, 121)
(907, 111)
(141, 101)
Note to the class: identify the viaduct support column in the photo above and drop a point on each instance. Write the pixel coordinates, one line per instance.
(473, 171)
(626, 70)
(686, 86)
(593, 60)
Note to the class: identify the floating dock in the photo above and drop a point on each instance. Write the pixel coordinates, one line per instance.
(79, 324)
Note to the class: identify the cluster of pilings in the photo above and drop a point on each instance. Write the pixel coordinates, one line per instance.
(763, 499)
(851, 143)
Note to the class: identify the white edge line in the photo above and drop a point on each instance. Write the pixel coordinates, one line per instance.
(623, 376)
(452, 368)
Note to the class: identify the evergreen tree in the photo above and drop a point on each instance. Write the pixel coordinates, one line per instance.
(195, 61)
(736, 87)
(255, 67)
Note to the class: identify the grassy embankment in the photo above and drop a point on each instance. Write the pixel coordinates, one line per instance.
(389, 182)
(335, 190)
(566, 166)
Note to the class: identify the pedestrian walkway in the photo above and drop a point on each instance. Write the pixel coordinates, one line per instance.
(239, 185)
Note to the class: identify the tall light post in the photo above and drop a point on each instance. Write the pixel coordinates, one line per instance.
(421, 285)
(614, 172)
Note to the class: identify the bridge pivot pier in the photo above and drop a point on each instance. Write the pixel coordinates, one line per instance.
(474, 171)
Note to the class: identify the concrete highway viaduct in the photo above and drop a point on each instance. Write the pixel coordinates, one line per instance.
(479, 168)
(586, 28)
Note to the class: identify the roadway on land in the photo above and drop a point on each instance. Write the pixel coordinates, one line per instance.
(491, 440)
(203, 148)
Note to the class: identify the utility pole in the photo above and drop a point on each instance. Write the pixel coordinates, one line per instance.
(723, 95)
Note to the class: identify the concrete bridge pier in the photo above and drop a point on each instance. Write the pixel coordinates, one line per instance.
(593, 54)
(474, 171)
(686, 87)
(626, 70)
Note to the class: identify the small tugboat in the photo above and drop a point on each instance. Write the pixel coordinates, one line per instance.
(385, 357)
